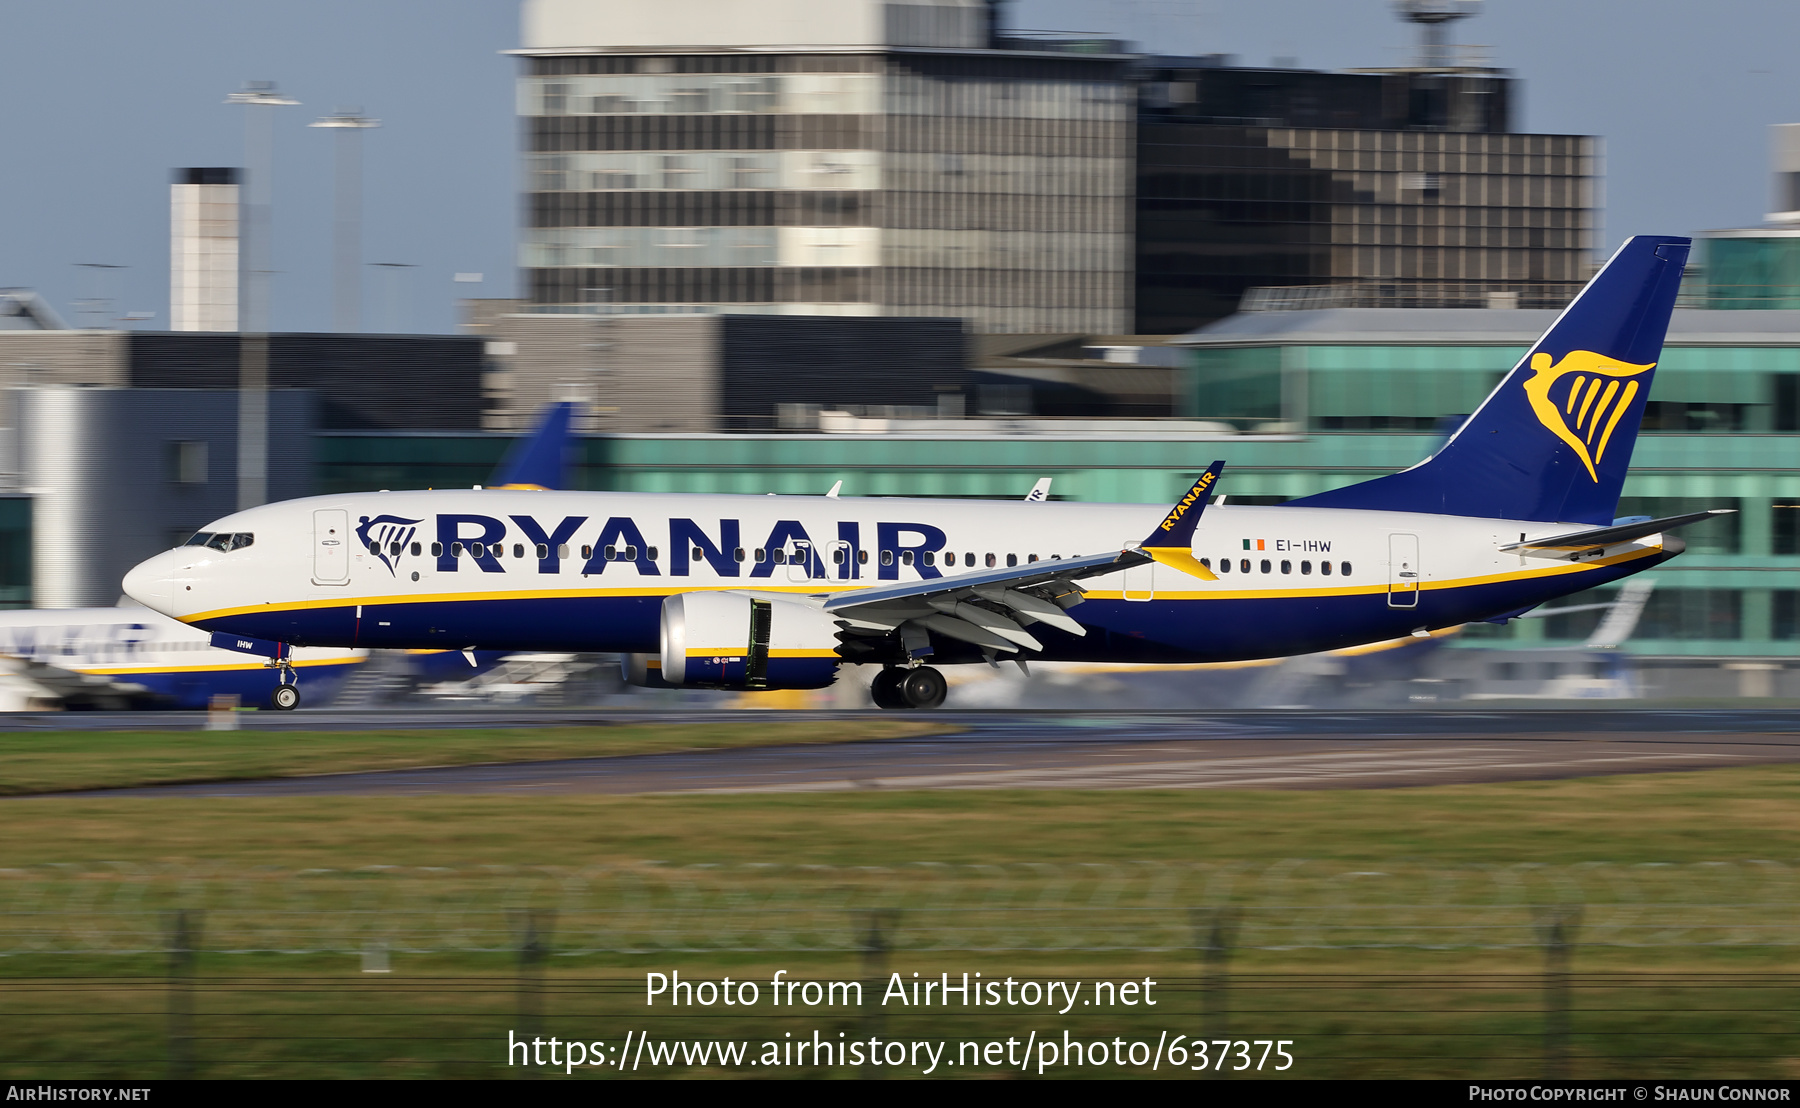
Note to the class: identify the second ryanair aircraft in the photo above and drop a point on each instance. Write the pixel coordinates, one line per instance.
(775, 592)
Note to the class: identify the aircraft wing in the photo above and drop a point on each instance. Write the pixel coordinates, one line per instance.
(992, 608)
(1014, 598)
(1556, 546)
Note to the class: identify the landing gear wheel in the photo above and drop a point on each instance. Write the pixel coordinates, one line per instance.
(285, 698)
(885, 689)
(923, 688)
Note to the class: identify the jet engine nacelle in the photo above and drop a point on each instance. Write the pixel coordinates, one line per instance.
(726, 640)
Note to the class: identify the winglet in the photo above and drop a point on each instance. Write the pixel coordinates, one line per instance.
(1172, 542)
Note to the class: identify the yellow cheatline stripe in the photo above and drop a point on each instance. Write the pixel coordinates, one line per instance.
(1392, 644)
(115, 672)
(779, 652)
(522, 594)
(1631, 388)
(1381, 587)
(573, 594)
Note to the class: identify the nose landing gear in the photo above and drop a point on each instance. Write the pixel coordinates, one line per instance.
(902, 689)
(286, 696)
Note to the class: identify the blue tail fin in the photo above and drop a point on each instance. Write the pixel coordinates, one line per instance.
(1553, 441)
(541, 461)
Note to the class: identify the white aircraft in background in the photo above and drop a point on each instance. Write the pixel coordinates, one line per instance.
(131, 657)
(773, 592)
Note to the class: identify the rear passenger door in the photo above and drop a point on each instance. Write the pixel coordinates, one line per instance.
(1403, 571)
(331, 546)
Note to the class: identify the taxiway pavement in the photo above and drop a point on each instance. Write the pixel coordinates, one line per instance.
(1084, 750)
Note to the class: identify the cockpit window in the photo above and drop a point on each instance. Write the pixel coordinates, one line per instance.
(225, 542)
(201, 538)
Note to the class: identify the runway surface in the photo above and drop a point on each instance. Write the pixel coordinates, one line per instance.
(1106, 750)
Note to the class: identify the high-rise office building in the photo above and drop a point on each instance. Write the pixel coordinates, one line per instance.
(203, 250)
(1401, 188)
(825, 157)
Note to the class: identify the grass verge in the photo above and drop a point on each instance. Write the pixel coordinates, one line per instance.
(1740, 813)
(69, 761)
(1668, 1011)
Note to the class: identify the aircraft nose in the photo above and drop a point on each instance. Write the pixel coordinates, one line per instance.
(152, 581)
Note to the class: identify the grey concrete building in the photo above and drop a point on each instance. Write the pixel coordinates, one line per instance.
(824, 157)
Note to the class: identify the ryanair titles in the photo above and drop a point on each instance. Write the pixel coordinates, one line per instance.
(482, 542)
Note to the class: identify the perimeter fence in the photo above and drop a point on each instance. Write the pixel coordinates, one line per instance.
(125, 970)
(1049, 908)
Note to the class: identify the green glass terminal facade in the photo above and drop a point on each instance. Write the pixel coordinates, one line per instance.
(1314, 400)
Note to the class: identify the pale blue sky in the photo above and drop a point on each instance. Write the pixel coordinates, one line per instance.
(104, 97)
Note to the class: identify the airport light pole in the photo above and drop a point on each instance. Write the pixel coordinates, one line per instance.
(253, 281)
(349, 123)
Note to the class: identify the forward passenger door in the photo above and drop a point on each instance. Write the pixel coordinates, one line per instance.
(331, 546)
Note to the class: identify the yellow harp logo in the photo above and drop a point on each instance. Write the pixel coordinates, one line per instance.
(1585, 412)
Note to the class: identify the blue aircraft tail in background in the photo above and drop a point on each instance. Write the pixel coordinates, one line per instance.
(1554, 440)
(541, 461)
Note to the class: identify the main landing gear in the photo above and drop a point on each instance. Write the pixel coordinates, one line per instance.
(900, 689)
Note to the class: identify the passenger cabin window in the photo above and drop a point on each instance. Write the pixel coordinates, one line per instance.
(931, 558)
(1012, 559)
(437, 550)
(887, 557)
(519, 550)
(543, 551)
(1265, 565)
(1324, 567)
(1305, 568)
(415, 550)
(1344, 568)
(991, 561)
(1287, 566)
(906, 557)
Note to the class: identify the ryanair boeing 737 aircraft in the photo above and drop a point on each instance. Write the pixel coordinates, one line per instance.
(775, 592)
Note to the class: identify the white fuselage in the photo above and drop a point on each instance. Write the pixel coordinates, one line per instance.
(519, 570)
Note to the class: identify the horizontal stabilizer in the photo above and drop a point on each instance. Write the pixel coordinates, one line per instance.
(1612, 536)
